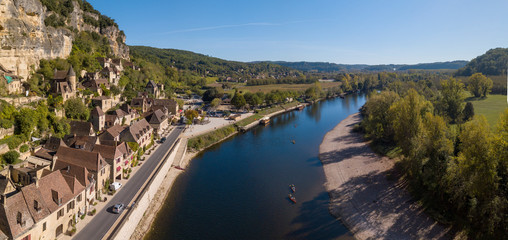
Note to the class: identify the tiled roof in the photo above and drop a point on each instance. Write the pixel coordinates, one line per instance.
(97, 111)
(9, 213)
(115, 130)
(90, 160)
(81, 142)
(81, 128)
(79, 172)
(53, 143)
(138, 129)
(157, 117)
(107, 151)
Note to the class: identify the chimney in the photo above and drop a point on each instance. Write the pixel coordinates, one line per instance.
(36, 181)
(55, 158)
(68, 168)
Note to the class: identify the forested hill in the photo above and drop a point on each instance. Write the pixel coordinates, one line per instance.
(333, 67)
(207, 66)
(493, 62)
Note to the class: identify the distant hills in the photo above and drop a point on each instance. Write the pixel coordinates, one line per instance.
(493, 62)
(333, 67)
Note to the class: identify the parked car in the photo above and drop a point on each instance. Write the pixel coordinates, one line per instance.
(118, 208)
(163, 139)
(115, 186)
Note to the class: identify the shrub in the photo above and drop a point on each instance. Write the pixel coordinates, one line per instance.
(11, 157)
(24, 148)
(14, 142)
(5, 123)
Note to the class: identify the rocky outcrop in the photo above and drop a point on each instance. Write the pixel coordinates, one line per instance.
(25, 40)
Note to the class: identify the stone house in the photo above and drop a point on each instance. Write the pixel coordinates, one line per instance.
(111, 74)
(64, 84)
(12, 81)
(158, 121)
(112, 133)
(139, 132)
(170, 104)
(95, 85)
(105, 103)
(44, 209)
(98, 119)
(118, 156)
(154, 89)
(93, 162)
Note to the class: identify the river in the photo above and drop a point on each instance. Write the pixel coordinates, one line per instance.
(238, 189)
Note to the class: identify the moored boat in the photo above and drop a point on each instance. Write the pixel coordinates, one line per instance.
(264, 121)
(293, 188)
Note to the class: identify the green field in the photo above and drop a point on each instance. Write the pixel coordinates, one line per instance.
(491, 107)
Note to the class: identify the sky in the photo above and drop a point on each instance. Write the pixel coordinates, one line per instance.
(338, 31)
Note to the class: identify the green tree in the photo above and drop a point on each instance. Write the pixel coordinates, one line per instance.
(215, 103)
(238, 101)
(468, 111)
(25, 121)
(76, 109)
(378, 122)
(191, 115)
(451, 102)
(407, 117)
(479, 85)
(11, 157)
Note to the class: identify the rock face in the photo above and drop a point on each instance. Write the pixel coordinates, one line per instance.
(25, 40)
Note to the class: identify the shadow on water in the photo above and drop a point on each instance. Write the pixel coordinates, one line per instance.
(312, 224)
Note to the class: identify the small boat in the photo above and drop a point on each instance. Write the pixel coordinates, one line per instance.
(265, 121)
(179, 168)
(293, 141)
(292, 198)
(300, 107)
(293, 188)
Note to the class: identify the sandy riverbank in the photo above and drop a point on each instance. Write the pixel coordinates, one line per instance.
(361, 196)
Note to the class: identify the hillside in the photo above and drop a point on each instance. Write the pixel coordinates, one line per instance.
(333, 67)
(493, 62)
(206, 66)
(33, 30)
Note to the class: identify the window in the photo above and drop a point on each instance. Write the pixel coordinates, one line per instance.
(70, 206)
(59, 214)
(44, 227)
(79, 198)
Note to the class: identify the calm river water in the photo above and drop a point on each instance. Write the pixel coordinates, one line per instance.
(238, 189)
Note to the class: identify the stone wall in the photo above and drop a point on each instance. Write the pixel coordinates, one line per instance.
(6, 132)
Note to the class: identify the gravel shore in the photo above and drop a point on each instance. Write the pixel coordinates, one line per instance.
(362, 197)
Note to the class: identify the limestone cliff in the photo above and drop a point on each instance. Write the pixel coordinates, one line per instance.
(25, 39)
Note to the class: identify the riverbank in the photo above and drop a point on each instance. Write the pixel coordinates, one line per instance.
(362, 197)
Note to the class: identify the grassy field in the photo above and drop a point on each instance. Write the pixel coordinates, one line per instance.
(269, 88)
(491, 107)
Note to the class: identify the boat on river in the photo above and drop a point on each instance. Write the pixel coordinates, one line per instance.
(293, 188)
(292, 198)
(265, 121)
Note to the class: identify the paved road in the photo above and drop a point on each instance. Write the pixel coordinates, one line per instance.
(103, 221)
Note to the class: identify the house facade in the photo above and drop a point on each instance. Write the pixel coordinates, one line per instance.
(64, 84)
(139, 132)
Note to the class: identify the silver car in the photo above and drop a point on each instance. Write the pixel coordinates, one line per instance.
(118, 208)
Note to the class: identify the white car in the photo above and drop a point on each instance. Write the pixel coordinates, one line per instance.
(115, 186)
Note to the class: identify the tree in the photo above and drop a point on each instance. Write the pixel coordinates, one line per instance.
(76, 109)
(191, 115)
(11, 157)
(210, 94)
(479, 85)
(468, 112)
(215, 103)
(407, 117)
(451, 101)
(377, 122)
(25, 121)
(238, 101)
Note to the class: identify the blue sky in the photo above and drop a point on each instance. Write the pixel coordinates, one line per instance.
(340, 31)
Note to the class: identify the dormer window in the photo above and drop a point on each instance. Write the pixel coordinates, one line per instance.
(37, 206)
(19, 219)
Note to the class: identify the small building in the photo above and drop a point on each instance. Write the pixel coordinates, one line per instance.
(154, 89)
(112, 133)
(12, 81)
(64, 84)
(98, 119)
(95, 85)
(170, 104)
(105, 103)
(158, 121)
